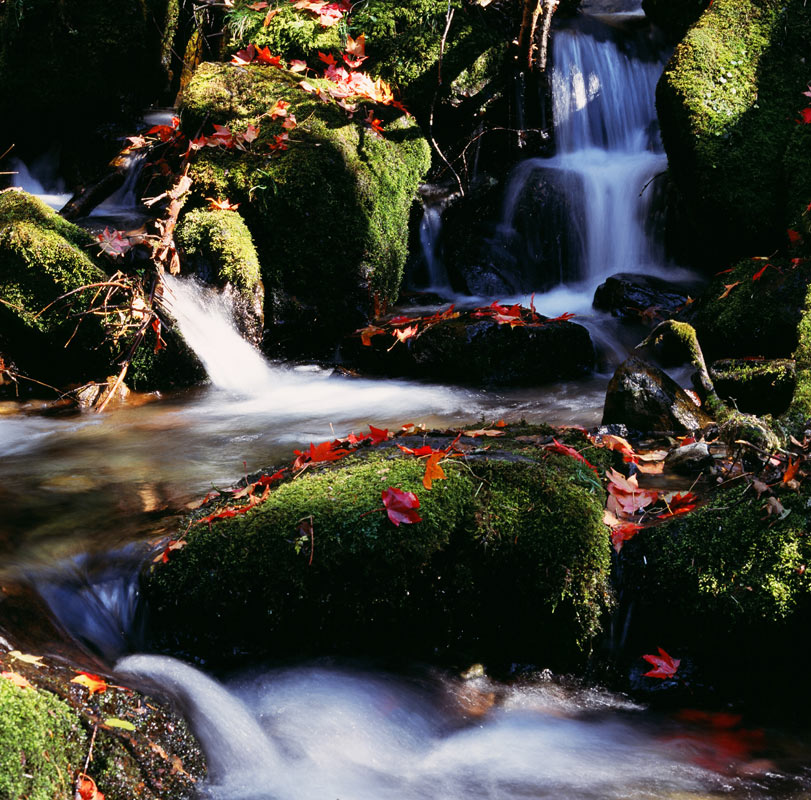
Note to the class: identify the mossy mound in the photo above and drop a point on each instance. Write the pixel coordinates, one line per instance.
(73, 64)
(756, 317)
(758, 386)
(43, 257)
(726, 582)
(42, 744)
(221, 246)
(727, 104)
(510, 556)
(330, 215)
(403, 41)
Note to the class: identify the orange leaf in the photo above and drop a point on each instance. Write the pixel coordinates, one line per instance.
(433, 472)
(93, 683)
(86, 788)
(367, 333)
(728, 287)
(17, 679)
(791, 470)
(482, 432)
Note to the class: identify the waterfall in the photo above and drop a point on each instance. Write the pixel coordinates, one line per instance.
(430, 232)
(41, 178)
(205, 318)
(586, 212)
(125, 199)
(229, 734)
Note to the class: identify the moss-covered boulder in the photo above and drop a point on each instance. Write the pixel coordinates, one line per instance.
(728, 584)
(510, 556)
(759, 386)
(403, 42)
(218, 249)
(727, 103)
(330, 214)
(42, 744)
(43, 257)
(69, 65)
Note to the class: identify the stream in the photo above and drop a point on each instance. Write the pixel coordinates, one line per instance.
(81, 493)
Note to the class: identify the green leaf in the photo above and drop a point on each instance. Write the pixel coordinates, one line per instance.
(112, 722)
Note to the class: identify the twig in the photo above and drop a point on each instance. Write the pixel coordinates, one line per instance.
(76, 795)
(80, 289)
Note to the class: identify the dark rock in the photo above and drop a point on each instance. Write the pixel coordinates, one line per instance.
(645, 398)
(627, 295)
(480, 351)
(757, 386)
(690, 459)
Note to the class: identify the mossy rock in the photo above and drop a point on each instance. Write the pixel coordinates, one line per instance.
(509, 560)
(42, 744)
(758, 386)
(95, 62)
(42, 257)
(727, 103)
(674, 17)
(330, 215)
(726, 583)
(756, 317)
(221, 244)
(403, 42)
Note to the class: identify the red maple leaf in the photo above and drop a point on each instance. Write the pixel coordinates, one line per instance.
(379, 435)
(433, 471)
(680, 504)
(326, 451)
(562, 318)
(557, 447)
(86, 788)
(622, 533)
(805, 116)
(665, 665)
(401, 506)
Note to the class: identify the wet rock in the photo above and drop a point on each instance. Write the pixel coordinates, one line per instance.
(757, 386)
(748, 428)
(628, 296)
(646, 399)
(690, 459)
(482, 352)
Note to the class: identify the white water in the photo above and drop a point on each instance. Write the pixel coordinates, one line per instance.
(608, 153)
(430, 231)
(314, 733)
(41, 178)
(124, 200)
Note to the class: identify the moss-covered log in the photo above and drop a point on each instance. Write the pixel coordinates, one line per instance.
(510, 556)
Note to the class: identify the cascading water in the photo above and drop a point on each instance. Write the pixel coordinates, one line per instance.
(586, 212)
(41, 178)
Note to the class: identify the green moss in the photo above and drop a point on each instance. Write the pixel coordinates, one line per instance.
(723, 561)
(330, 215)
(292, 33)
(502, 540)
(41, 744)
(223, 240)
(796, 419)
(756, 386)
(727, 103)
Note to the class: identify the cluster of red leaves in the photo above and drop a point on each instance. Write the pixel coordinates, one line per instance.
(328, 14)
(805, 114)
(518, 315)
(225, 138)
(664, 665)
(403, 328)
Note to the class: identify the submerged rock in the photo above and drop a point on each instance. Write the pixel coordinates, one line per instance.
(511, 535)
(646, 399)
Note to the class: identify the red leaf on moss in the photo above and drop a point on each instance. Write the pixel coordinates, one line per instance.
(86, 788)
(433, 471)
(17, 679)
(401, 506)
(557, 447)
(759, 274)
(794, 237)
(680, 504)
(622, 533)
(728, 287)
(665, 665)
(805, 116)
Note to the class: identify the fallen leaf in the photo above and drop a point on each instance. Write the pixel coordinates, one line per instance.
(379, 435)
(679, 504)
(93, 683)
(433, 471)
(728, 287)
(622, 533)
(665, 665)
(791, 470)
(760, 487)
(773, 506)
(759, 274)
(482, 432)
(401, 506)
(114, 722)
(35, 661)
(86, 788)
(557, 447)
(17, 679)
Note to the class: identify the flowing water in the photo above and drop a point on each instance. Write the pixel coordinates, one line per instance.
(74, 487)
(41, 177)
